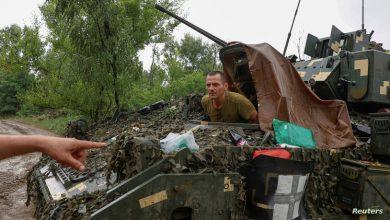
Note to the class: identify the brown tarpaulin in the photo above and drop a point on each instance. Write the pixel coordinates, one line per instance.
(282, 94)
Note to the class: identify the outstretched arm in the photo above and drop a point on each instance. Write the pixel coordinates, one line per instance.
(67, 151)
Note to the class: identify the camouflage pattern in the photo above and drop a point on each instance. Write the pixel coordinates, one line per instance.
(380, 126)
(129, 155)
(364, 185)
(347, 66)
(77, 129)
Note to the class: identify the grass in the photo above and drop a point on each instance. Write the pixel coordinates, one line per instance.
(55, 125)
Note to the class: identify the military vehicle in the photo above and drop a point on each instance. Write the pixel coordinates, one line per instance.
(344, 66)
(348, 66)
(351, 67)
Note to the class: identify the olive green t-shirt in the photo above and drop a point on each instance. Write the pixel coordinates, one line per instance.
(237, 108)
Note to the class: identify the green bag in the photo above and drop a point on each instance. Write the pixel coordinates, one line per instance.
(289, 133)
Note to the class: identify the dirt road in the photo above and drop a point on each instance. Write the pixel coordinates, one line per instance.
(13, 173)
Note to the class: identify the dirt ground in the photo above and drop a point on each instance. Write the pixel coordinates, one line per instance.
(13, 173)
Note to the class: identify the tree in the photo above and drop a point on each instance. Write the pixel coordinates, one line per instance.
(21, 51)
(193, 54)
(94, 49)
(176, 70)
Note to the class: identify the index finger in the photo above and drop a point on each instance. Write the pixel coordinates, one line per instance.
(90, 144)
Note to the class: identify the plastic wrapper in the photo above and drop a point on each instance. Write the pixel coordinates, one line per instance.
(174, 142)
(292, 134)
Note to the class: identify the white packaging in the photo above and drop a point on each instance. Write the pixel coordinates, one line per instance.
(175, 142)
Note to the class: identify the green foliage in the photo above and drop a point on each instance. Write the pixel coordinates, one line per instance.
(141, 95)
(20, 57)
(10, 86)
(27, 109)
(181, 72)
(56, 124)
(192, 54)
(93, 61)
(193, 83)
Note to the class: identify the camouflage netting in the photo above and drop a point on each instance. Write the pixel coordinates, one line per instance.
(96, 162)
(135, 147)
(320, 196)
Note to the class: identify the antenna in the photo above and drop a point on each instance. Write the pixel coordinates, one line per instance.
(289, 33)
(362, 14)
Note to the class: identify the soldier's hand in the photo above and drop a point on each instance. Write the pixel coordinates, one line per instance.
(68, 151)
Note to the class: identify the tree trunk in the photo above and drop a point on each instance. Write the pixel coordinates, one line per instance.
(99, 106)
(115, 78)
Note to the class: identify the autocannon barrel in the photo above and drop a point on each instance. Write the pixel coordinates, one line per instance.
(198, 29)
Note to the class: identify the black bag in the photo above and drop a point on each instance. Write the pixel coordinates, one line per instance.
(275, 187)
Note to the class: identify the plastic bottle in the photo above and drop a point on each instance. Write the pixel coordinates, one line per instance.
(237, 139)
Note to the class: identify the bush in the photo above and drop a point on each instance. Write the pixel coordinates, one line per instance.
(28, 109)
(140, 95)
(10, 86)
(55, 122)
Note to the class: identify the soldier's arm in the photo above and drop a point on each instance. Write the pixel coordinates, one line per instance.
(204, 106)
(67, 151)
(254, 117)
(248, 111)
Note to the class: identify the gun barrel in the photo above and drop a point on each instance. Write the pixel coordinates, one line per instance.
(198, 29)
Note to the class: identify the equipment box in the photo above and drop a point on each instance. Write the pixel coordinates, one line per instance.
(364, 185)
(380, 134)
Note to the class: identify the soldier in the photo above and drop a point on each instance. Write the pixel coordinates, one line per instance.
(225, 106)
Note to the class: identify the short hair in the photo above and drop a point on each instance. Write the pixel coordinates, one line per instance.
(216, 72)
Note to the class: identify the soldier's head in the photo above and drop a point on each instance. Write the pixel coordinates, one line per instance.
(216, 84)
